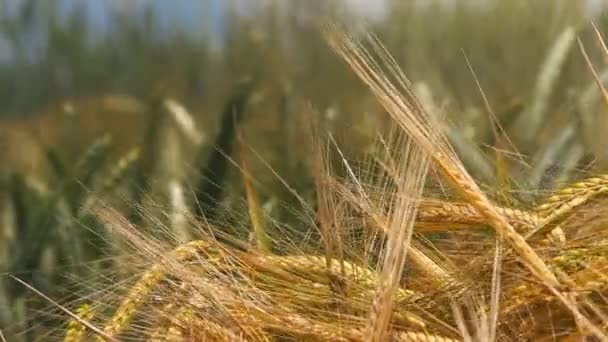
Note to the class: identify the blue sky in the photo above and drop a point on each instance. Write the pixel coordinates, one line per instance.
(198, 17)
(201, 15)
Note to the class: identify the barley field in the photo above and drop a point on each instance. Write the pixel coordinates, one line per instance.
(264, 170)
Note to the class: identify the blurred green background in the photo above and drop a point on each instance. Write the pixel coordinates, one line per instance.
(136, 104)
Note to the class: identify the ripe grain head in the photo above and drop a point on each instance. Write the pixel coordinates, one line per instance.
(394, 92)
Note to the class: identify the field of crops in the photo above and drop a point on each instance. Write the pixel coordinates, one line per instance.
(436, 173)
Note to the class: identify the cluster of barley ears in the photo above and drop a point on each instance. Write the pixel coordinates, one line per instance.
(389, 258)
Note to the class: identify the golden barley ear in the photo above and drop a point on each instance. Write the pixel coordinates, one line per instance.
(141, 290)
(136, 296)
(572, 196)
(393, 90)
(360, 280)
(434, 215)
(566, 202)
